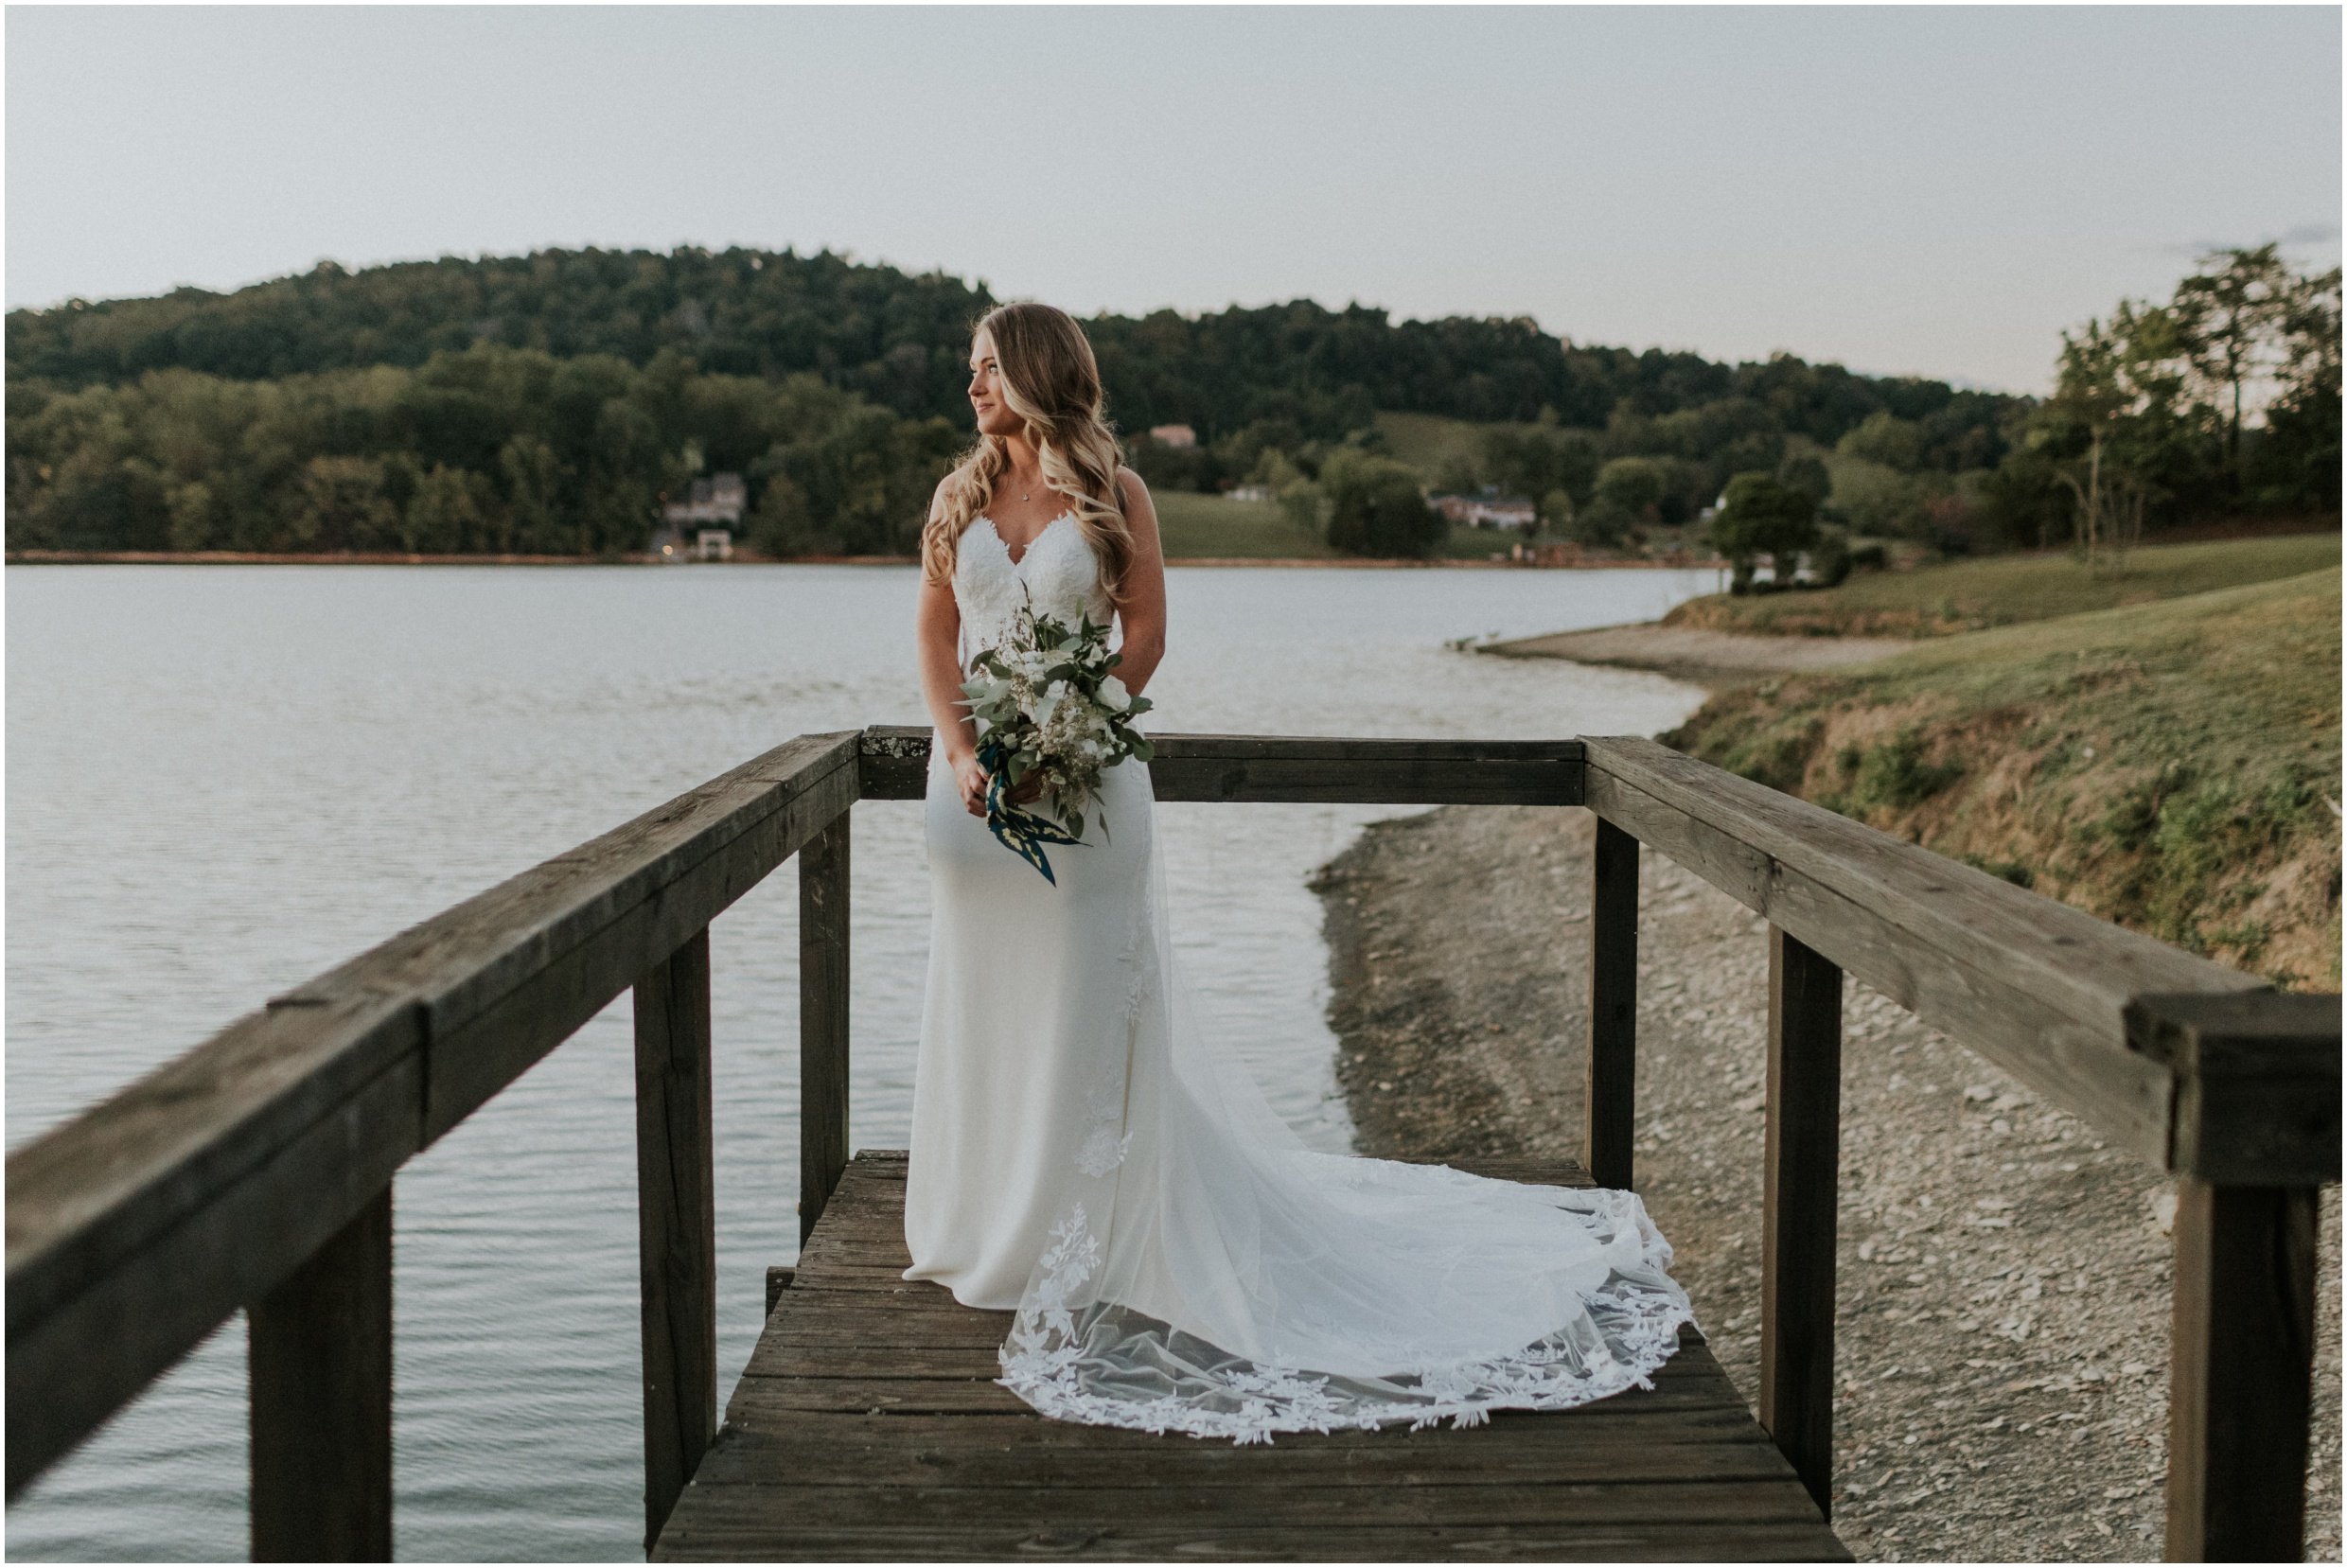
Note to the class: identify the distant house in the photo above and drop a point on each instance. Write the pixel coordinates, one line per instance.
(1174, 435)
(1486, 508)
(668, 542)
(713, 544)
(1248, 492)
(717, 501)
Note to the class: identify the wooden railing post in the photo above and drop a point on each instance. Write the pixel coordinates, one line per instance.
(676, 1224)
(318, 1352)
(1802, 1153)
(1609, 1110)
(2241, 1372)
(823, 1020)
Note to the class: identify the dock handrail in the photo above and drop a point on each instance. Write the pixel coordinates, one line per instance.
(255, 1171)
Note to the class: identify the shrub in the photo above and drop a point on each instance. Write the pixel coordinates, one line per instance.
(1829, 559)
(1892, 776)
(1375, 508)
(1763, 515)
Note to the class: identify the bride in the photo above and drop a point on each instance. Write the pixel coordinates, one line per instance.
(1088, 1151)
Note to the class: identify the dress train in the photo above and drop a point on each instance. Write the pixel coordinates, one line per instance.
(1088, 1151)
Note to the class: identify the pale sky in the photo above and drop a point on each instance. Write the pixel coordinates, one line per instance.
(1936, 190)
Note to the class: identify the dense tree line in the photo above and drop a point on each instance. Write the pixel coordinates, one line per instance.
(484, 449)
(547, 402)
(902, 341)
(899, 340)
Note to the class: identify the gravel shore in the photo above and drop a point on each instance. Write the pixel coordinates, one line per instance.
(1696, 653)
(2002, 1323)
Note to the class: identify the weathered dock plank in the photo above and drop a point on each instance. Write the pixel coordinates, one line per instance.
(868, 1425)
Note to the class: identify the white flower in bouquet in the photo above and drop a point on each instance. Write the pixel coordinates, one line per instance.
(1048, 708)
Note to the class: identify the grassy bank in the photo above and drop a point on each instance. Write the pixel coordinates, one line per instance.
(2171, 766)
(1194, 526)
(2002, 591)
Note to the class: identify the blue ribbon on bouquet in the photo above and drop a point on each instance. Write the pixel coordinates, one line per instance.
(1023, 832)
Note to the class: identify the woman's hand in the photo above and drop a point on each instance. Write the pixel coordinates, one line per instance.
(971, 780)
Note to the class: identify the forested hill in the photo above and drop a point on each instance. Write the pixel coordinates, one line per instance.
(901, 340)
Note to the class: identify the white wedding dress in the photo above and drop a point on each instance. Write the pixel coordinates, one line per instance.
(1088, 1151)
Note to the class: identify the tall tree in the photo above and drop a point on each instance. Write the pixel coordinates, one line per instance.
(2118, 401)
(2299, 460)
(2231, 317)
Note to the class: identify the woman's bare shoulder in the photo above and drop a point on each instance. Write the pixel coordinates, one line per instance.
(1134, 490)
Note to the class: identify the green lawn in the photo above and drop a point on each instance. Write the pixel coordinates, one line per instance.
(1194, 525)
(1476, 544)
(1191, 525)
(1423, 440)
(2172, 766)
(2004, 590)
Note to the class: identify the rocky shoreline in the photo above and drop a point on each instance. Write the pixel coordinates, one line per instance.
(2003, 1329)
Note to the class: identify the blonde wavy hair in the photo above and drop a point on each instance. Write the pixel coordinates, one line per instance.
(1051, 381)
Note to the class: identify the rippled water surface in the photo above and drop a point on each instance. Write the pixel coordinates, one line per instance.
(223, 780)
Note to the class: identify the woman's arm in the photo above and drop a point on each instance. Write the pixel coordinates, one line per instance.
(1140, 597)
(937, 629)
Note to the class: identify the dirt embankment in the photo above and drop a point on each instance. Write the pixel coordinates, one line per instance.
(2172, 766)
(2002, 1323)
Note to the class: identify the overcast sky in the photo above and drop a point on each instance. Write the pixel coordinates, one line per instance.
(1904, 190)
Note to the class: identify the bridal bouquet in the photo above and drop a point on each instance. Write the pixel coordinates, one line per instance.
(1048, 708)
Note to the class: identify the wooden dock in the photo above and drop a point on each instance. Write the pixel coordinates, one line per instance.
(254, 1173)
(868, 1425)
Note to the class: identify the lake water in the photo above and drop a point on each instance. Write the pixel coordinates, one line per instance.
(223, 780)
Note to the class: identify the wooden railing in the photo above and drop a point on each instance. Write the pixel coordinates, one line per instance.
(2206, 1072)
(255, 1171)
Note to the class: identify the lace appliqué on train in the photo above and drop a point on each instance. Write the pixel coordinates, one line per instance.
(1079, 1359)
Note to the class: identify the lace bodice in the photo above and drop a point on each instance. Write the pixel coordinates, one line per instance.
(1059, 575)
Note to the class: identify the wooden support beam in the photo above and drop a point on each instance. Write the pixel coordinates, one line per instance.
(676, 1224)
(2239, 1381)
(822, 1019)
(318, 1349)
(1610, 1105)
(2257, 1083)
(1800, 1161)
(1295, 767)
